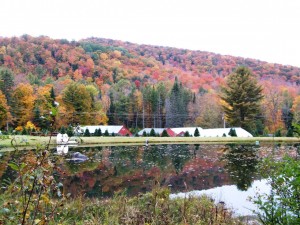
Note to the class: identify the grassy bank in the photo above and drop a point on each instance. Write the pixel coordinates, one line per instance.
(28, 142)
(151, 208)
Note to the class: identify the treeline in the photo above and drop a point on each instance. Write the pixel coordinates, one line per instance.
(100, 81)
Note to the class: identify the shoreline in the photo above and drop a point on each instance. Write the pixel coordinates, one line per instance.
(26, 142)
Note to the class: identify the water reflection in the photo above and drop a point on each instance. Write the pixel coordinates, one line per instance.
(62, 149)
(241, 162)
(136, 169)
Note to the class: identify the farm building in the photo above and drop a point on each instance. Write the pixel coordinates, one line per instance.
(180, 131)
(157, 131)
(116, 130)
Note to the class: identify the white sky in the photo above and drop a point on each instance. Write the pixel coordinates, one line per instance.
(268, 30)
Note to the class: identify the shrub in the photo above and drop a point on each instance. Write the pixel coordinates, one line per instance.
(282, 204)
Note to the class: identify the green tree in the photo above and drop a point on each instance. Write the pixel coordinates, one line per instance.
(186, 134)
(78, 103)
(6, 83)
(106, 134)
(232, 132)
(164, 134)
(152, 133)
(241, 95)
(282, 204)
(196, 133)
(5, 115)
(177, 105)
(52, 96)
(87, 133)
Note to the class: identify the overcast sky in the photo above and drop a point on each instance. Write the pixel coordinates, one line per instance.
(268, 30)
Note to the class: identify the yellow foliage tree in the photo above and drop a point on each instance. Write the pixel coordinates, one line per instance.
(5, 115)
(23, 103)
(30, 126)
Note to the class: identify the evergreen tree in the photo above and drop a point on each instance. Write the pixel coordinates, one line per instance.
(87, 133)
(152, 133)
(197, 133)
(290, 132)
(164, 134)
(70, 131)
(106, 134)
(37, 120)
(186, 134)
(232, 132)
(242, 96)
(24, 131)
(7, 83)
(52, 96)
(176, 106)
(278, 133)
(144, 134)
(62, 130)
(99, 132)
(111, 110)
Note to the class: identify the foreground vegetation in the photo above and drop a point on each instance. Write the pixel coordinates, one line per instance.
(282, 204)
(152, 208)
(36, 197)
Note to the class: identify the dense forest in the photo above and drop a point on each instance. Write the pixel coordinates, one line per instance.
(102, 81)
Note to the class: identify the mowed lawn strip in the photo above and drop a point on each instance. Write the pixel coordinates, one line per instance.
(27, 141)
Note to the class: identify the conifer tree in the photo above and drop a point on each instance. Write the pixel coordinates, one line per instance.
(197, 133)
(232, 132)
(152, 133)
(241, 95)
(87, 133)
(165, 134)
(176, 106)
(6, 83)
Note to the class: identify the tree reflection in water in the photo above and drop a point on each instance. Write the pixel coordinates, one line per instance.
(241, 162)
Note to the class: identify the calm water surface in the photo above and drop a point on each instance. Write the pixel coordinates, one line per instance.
(223, 171)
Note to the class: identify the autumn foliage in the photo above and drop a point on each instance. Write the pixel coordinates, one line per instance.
(121, 73)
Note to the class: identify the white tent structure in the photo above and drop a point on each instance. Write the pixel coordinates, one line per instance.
(111, 129)
(179, 131)
(148, 130)
(221, 132)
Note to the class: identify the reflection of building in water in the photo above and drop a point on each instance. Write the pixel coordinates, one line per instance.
(62, 149)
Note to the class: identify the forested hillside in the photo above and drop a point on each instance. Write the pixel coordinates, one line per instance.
(99, 81)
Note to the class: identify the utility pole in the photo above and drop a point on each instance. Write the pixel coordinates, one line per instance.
(224, 122)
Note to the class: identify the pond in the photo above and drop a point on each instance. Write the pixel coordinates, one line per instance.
(216, 170)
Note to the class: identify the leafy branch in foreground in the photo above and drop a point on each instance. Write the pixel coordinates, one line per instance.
(282, 204)
(34, 196)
